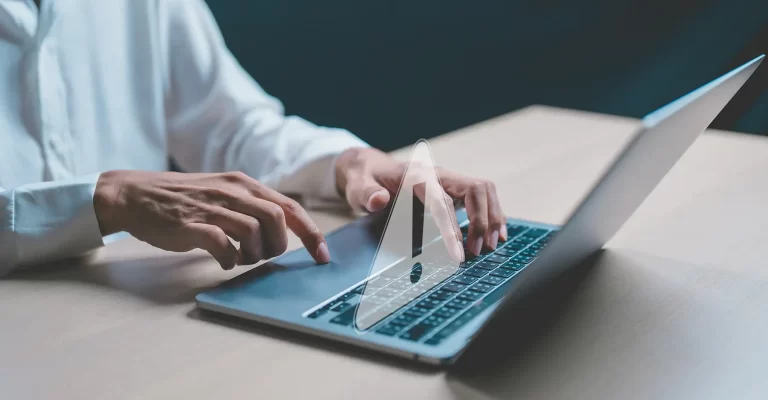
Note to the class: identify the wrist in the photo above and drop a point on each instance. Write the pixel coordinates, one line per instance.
(105, 201)
(342, 166)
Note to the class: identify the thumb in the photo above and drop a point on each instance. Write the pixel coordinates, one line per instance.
(366, 194)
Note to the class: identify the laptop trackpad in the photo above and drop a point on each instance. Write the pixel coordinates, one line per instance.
(293, 283)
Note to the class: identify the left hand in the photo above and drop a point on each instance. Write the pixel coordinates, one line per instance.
(369, 178)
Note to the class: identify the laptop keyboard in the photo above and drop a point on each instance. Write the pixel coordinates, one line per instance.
(451, 299)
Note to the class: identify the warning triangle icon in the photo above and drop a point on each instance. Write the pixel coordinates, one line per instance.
(420, 247)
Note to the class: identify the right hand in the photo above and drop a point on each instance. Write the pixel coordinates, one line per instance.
(180, 212)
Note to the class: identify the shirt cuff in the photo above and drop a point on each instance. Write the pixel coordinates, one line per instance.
(319, 175)
(55, 220)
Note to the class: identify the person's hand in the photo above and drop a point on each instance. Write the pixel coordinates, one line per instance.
(369, 178)
(181, 212)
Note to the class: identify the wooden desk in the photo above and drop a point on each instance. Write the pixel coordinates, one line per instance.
(677, 307)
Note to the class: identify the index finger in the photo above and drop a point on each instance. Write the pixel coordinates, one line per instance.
(299, 222)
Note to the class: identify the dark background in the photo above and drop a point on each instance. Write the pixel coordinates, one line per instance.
(394, 71)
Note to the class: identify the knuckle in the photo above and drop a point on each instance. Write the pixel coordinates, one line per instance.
(235, 176)
(292, 207)
(253, 227)
(490, 186)
(477, 186)
(274, 212)
(212, 238)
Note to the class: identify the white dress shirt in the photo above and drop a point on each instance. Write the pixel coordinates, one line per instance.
(94, 85)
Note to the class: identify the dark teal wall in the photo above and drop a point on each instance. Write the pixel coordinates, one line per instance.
(394, 71)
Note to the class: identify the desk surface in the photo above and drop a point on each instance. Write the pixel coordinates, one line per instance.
(677, 307)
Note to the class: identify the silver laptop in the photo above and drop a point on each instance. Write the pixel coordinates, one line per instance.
(432, 314)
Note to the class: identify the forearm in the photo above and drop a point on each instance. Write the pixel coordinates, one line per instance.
(47, 221)
(220, 119)
(298, 159)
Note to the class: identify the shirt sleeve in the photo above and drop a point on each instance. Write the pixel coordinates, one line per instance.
(47, 220)
(220, 119)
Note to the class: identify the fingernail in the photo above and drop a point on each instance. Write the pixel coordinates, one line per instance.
(503, 235)
(477, 246)
(494, 240)
(323, 255)
(369, 203)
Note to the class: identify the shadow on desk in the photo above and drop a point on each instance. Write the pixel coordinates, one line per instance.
(162, 279)
(518, 329)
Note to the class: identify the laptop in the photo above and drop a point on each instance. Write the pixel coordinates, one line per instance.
(431, 313)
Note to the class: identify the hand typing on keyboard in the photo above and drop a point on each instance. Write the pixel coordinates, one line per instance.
(369, 178)
(445, 299)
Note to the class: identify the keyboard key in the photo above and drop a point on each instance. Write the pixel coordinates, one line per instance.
(417, 332)
(529, 252)
(347, 296)
(475, 272)
(458, 303)
(513, 265)
(433, 280)
(317, 313)
(341, 306)
(423, 287)
(505, 252)
(388, 292)
(454, 286)
(441, 295)
(514, 230)
(514, 246)
(481, 287)
(345, 318)
(471, 257)
(445, 312)
(444, 274)
(464, 279)
(433, 341)
(525, 239)
(459, 322)
(503, 272)
(333, 303)
(413, 292)
(536, 233)
(496, 258)
(486, 265)
(492, 280)
(359, 289)
(417, 312)
(374, 300)
(471, 295)
(390, 329)
(400, 284)
(390, 307)
(433, 320)
(429, 303)
(366, 322)
(403, 319)
(522, 259)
